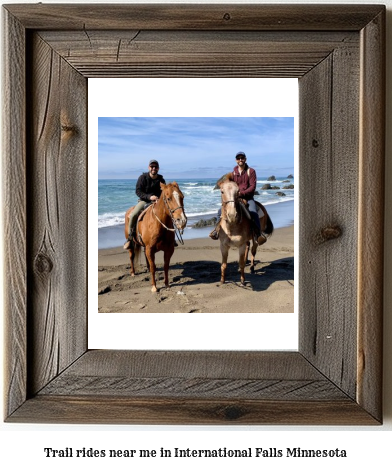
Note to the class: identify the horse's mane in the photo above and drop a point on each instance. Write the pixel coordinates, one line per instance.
(225, 177)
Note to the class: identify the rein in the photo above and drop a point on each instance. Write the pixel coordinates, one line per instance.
(171, 211)
(235, 201)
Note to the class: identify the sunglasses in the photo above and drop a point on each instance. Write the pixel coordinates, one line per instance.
(241, 159)
(153, 166)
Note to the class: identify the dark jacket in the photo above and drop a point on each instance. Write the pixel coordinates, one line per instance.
(147, 187)
(246, 181)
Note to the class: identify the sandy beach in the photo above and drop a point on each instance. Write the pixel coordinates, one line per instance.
(194, 280)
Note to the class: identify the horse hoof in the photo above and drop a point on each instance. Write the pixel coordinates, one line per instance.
(154, 289)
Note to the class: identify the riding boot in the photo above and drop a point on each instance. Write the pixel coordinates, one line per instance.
(129, 242)
(214, 235)
(259, 236)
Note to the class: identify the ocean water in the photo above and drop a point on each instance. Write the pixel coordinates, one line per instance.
(201, 201)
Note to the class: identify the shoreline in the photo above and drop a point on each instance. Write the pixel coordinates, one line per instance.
(281, 213)
(194, 278)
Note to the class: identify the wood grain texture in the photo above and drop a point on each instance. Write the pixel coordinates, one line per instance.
(194, 17)
(208, 375)
(14, 210)
(208, 364)
(192, 387)
(195, 53)
(329, 200)
(57, 215)
(371, 215)
(335, 378)
(155, 411)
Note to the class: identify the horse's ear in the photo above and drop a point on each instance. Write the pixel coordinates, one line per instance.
(174, 184)
(225, 177)
(162, 185)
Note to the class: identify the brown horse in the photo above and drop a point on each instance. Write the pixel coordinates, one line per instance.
(155, 230)
(236, 228)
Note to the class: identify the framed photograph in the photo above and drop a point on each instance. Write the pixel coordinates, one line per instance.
(337, 53)
(194, 133)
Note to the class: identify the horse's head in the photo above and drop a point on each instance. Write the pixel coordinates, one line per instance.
(174, 204)
(229, 194)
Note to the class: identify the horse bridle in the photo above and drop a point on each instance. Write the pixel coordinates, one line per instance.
(171, 212)
(227, 202)
(235, 201)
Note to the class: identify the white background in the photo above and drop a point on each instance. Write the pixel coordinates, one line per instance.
(368, 448)
(185, 98)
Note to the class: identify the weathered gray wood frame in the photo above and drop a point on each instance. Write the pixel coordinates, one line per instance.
(337, 52)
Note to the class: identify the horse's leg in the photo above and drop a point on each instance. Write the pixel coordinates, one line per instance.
(150, 255)
(247, 252)
(225, 254)
(253, 253)
(131, 258)
(147, 262)
(168, 252)
(241, 262)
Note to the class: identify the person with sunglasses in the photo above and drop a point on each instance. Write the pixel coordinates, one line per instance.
(148, 190)
(246, 179)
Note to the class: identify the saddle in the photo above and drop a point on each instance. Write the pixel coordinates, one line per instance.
(244, 205)
(143, 213)
(137, 238)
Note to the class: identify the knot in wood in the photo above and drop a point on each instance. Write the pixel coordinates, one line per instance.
(68, 128)
(328, 233)
(232, 413)
(43, 264)
(315, 143)
(227, 16)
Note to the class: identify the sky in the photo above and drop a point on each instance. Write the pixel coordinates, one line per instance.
(194, 147)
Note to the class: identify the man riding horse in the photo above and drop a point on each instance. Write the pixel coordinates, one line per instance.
(148, 190)
(246, 179)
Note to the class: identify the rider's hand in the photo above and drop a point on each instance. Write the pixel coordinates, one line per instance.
(153, 198)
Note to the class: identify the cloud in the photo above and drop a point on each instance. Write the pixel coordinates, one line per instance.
(193, 145)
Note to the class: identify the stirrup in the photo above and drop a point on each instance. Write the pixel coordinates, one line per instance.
(214, 235)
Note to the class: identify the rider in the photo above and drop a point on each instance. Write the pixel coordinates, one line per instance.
(148, 190)
(246, 179)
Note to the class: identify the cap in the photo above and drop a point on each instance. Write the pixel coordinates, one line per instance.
(240, 153)
(153, 162)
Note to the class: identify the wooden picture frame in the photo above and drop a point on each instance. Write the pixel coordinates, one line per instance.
(338, 54)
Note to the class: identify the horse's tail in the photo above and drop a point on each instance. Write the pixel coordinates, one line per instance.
(269, 228)
(137, 252)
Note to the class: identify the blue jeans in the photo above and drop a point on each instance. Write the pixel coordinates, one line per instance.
(253, 212)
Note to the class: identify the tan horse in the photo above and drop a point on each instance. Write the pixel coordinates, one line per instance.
(155, 230)
(236, 229)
